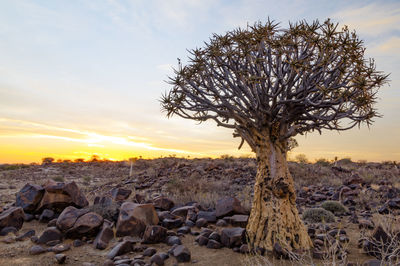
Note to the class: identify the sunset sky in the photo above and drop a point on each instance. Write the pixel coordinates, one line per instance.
(79, 78)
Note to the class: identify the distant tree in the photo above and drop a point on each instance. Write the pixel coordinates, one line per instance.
(47, 160)
(79, 160)
(301, 158)
(269, 84)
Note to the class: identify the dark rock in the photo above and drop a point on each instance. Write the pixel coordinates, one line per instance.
(137, 262)
(154, 234)
(133, 218)
(149, 252)
(202, 240)
(181, 253)
(68, 218)
(183, 230)
(209, 216)
(60, 258)
(46, 216)
(372, 263)
(244, 249)
(120, 194)
(157, 260)
(26, 235)
(34, 239)
(104, 201)
(52, 223)
(29, 197)
(60, 248)
(52, 243)
(221, 222)
(104, 236)
(59, 195)
(182, 211)
(380, 235)
(166, 215)
(120, 249)
(206, 232)
(77, 243)
(6, 230)
(12, 217)
(50, 234)
(172, 240)
(232, 237)
(189, 223)
(228, 206)
(29, 217)
(86, 225)
(163, 203)
(191, 215)
(213, 244)
(238, 220)
(139, 198)
(36, 250)
(172, 223)
(279, 252)
(201, 223)
(215, 236)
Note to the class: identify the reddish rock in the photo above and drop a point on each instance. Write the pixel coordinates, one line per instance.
(14, 217)
(154, 234)
(29, 197)
(163, 203)
(59, 195)
(86, 225)
(120, 249)
(133, 218)
(104, 236)
(50, 234)
(120, 194)
(68, 217)
(228, 206)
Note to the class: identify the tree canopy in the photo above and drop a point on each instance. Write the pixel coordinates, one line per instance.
(273, 83)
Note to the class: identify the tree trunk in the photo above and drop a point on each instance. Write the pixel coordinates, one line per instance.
(274, 216)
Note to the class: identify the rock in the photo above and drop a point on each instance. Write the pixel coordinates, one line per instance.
(209, 216)
(29, 197)
(182, 211)
(137, 262)
(232, 237)
(68, 217)
(133, 218)
(373, 262)
(381, 236)
(213, 244)
(52, 223)
(26, 235)
(202, 240)
(221, 223)
(228, 206)
(14, 217)
(29, 217)
(157, 260)
(139, 198)
(215, 236)
(104, 236)
(364, 223)
(77, 243)
(394, 203)
(354, 179)
(172, 240)
(36, 250)
(86, 225)
(183, 230)
(59, 195)
(9, 229)
(60, 258)
(46, 216)
(172, 223)
(53, 242)
(149, 252)
(50, 234)
(163, 203)
(206, 232)
(201, 223)
(244, 249)
(103, 201)
(120, 194)
(166, 215)
(279, 253)
(120, 249)
(181, 253)
(60, 248)
(8, 240)
(154, 234)
(108, 262)
(238, 220)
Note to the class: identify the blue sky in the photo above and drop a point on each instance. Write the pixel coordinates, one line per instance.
(84, 77)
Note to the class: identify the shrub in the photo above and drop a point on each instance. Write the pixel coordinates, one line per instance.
(322, 161)
(301, 158)
(334, 207)
(318, 215)
(47, 160)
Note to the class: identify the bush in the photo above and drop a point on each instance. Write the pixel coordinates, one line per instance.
(334, 207)
(322, 161)
(318, 215)
(301, 158)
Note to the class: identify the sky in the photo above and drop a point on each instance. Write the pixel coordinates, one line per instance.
(81, 78)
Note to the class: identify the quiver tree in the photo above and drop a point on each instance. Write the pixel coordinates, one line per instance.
(269, 84)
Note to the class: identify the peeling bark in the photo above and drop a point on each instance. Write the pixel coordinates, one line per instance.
(274, 216)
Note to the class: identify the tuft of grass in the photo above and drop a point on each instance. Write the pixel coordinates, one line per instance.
(334, 207)
(318, 215)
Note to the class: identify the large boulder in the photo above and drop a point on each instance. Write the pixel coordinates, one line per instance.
(232, 237)
(163, 203)
(68, 217)
(59, 195)
(86, 225)
(154, 234)
(14, 217)
(133, 218)
(29, 197)
(228, 206)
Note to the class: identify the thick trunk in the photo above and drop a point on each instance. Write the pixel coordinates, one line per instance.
(274, 216)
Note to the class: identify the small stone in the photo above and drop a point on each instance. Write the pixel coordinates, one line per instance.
(50, 234)
(244, 249)
(149, 252)
(26, 235)
(36, 250)
(60, 248)
(60, 258)
(221, 223)
(157, 260)
(181, 253)
(232, 237)
(183, 230)
(120, 249)
(9, 229)
(213, 244)
(202, 240)
(46, 216)
(52, 243)
(201, 223)
(77, 243)
(154, 234)
(172, 240)
(215, 236)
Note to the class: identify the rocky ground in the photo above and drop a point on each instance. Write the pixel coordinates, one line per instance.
(178, 211)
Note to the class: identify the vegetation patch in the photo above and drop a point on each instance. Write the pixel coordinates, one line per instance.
(318, 215)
